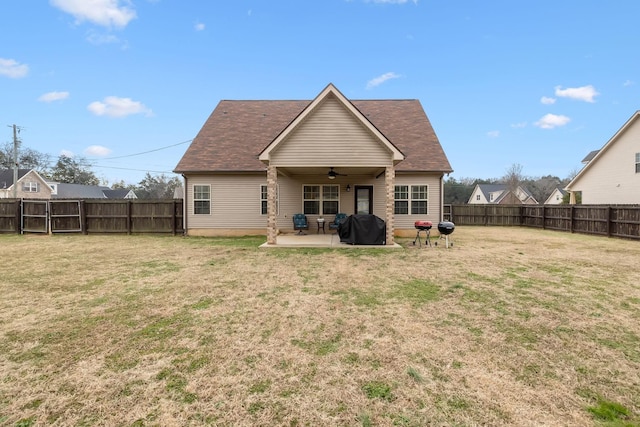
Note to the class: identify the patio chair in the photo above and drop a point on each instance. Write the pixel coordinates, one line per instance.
(333, 225)
(300, 222)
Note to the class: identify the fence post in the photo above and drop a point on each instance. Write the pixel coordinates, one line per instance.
(571, 213)
(609, 221)
(18, 215)
(129, 219)
(83, 218)
(173, 218)
(544, 225)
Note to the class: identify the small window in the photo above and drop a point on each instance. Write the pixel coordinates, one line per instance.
(311, 199)
(419, 199)
(202, 199)
(30, 187)
(401, 203)
(637, 162)
(330, 199)
(477, 197)
(263, 200)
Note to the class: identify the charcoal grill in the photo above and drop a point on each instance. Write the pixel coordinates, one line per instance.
(446, 228)
(423, 226)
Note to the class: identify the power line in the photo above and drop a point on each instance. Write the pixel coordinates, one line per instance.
(146, 152)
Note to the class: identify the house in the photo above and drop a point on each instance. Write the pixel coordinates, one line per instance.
(500, 194)
(556, 197)
(254, 164)
(81, 191)
(612, 175)
(30, 185)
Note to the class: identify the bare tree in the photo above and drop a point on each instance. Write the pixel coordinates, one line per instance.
(513, 177)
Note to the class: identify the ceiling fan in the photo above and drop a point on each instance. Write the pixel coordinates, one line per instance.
(332, 174)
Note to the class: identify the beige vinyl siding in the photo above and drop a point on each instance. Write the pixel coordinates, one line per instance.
(433, 206)
(612, 178)
(235, 202)
(331, 136)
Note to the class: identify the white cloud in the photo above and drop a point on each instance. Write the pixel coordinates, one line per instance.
(628, 83)
(493, 134)
(547, 100)
(107, 13)
(519, 125)
(377, 81)
(67, 153)
(114, 106)
(583, 93)
(54, 96)
(97, 150)
(13, 69)
(199, 26)
(550, 121)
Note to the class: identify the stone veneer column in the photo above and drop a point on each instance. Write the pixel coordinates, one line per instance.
(272, 207)
(389, 182)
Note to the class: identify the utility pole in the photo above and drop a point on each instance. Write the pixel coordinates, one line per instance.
(15, 162)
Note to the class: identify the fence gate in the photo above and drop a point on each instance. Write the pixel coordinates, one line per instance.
(35, 216)
(65, 216)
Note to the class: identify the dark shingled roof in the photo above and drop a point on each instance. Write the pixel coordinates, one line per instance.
(236, 132)
(6, 176)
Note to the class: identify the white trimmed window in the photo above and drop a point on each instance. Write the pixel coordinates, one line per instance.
(401, 203)
(411, 199)
(263, 199)
(637, 162)
(30, 187)
(202, 199)
(321, 199)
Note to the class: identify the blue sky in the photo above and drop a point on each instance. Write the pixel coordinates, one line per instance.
(127, 83)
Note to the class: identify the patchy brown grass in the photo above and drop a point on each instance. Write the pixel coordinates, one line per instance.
(508, 327)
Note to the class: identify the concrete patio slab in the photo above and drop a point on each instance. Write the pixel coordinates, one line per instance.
(318, 241)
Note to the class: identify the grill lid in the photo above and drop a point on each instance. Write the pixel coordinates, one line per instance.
(423, 225)
(446, 227)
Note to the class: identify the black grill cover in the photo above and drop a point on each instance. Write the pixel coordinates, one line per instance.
(363, 230)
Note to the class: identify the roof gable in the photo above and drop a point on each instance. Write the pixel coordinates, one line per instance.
(330, 92)
(237, 131)
(6, 176)
(599, 154)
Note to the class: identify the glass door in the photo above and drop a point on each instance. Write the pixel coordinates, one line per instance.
(364, 199)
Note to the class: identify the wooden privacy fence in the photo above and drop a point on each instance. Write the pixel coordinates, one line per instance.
(91, 216)
(604, 220)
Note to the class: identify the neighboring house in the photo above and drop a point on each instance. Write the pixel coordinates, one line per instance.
(499, 194)
(80, 191)
(612, 176)
(556, 197)
(30, 185)
(254, 164)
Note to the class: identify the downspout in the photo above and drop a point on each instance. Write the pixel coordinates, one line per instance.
(184, 207)
(441, 198)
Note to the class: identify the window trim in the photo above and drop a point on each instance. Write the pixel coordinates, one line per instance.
(195, 199)
(637, 162)
(410, 199)
(264, 199)
(31, 187)
(321, 199)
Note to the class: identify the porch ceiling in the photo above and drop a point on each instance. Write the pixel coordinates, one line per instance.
(296, 171)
